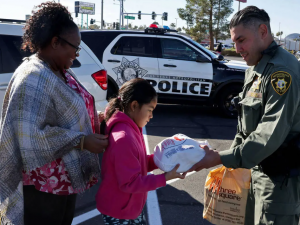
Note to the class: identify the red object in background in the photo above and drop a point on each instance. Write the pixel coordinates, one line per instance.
(153, 26)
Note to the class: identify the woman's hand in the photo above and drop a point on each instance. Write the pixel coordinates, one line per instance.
(173, 174)
(95, 143)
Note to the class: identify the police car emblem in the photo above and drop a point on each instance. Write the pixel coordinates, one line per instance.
(128, 70)
(281, 81)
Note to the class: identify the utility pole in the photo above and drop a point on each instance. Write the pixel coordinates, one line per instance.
(176, 21)
(102, 15)
(279, 34)
(239, 5)
(122, 12)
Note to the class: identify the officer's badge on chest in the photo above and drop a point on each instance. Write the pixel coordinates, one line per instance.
(254, 90)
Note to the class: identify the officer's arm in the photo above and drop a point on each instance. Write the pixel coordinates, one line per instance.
(238, 139)
(270, 133)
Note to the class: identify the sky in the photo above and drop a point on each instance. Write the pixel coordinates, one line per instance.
(284, 14)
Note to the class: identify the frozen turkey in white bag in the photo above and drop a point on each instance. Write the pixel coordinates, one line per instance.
(178, 149)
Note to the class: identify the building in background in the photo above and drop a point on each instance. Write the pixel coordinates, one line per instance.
(292, 42)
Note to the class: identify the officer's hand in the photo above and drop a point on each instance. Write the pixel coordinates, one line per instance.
(95, 143)
(211, 159)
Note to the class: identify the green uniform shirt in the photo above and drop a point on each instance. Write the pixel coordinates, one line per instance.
(270, 109)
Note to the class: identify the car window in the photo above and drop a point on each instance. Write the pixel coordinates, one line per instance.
(176, 49)
(96, 42)
(134, 46)
(12, 54)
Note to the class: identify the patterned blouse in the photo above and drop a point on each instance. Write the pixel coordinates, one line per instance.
(53, 177)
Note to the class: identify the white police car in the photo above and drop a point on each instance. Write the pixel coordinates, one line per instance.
(180, 69)
(87, 67)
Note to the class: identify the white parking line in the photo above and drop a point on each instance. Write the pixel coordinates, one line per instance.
(154, 216)
(86, 216)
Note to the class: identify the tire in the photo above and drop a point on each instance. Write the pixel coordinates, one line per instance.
(224, 100)
(111, 91)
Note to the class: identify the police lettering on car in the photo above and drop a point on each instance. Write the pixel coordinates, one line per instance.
(180, 69)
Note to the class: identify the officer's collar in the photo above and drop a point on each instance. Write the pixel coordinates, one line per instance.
(266, 56)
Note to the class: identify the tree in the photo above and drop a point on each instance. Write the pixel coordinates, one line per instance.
(186, 14)
(210, 17)
(135, 27)
(155, 23)
(179, 29)
(172, 25)
(141, 27)
(279, 33)
(223, 11)
(130, 26)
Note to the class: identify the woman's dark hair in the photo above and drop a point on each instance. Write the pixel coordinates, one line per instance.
(50, 19)
(133, 90)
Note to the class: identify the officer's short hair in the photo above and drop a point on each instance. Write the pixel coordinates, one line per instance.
(251, 16)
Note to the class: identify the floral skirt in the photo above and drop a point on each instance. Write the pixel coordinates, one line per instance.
(108, 220)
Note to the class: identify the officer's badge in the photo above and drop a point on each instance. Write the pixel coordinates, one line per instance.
(281, 81)
(256, 83)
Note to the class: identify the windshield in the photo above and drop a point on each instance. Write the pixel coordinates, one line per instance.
(204, 49)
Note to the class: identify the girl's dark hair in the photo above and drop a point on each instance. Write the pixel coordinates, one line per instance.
(133, 90)
(50, 19)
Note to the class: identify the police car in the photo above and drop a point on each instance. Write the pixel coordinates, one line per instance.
(86, 67)
(181, 70)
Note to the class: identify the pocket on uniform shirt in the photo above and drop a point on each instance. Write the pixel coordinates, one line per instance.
(251, 113)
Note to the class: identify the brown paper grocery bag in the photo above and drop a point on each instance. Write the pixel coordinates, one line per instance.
(225, 197)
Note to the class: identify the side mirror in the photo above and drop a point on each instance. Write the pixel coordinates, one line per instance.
(220, 57)
(202, 59)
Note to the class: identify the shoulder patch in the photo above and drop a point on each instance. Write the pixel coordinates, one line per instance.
(281, 81)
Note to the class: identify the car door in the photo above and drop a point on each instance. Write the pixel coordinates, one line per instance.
(179, 72)
(132, 56)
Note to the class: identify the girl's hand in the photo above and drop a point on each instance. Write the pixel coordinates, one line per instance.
(173, 174)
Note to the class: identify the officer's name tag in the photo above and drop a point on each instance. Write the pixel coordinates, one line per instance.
(253, 94)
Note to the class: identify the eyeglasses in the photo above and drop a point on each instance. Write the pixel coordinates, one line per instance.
(77, 48)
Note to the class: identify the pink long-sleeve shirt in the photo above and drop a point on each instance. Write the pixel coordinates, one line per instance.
(125, 183)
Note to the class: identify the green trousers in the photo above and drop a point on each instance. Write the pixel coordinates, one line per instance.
(273, 200)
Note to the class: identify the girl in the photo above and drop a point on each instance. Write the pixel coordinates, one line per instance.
(125, 183)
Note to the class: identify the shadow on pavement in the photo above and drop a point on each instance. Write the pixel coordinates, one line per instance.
(177, 207)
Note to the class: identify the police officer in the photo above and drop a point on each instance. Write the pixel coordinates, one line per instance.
(269, 126)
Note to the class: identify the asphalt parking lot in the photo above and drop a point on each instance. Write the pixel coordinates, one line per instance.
(180, 202)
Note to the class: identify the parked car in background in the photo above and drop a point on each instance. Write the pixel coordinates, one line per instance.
(87, 67)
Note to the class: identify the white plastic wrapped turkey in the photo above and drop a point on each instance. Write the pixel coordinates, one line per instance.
(178, 149)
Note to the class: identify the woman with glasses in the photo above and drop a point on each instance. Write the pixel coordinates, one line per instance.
(49, 129)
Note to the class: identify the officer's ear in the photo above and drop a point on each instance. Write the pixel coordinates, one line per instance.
(263, 31)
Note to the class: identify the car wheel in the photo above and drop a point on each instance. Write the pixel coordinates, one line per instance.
(224, 100)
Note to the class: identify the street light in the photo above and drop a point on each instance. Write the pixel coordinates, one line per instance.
(176, 21)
